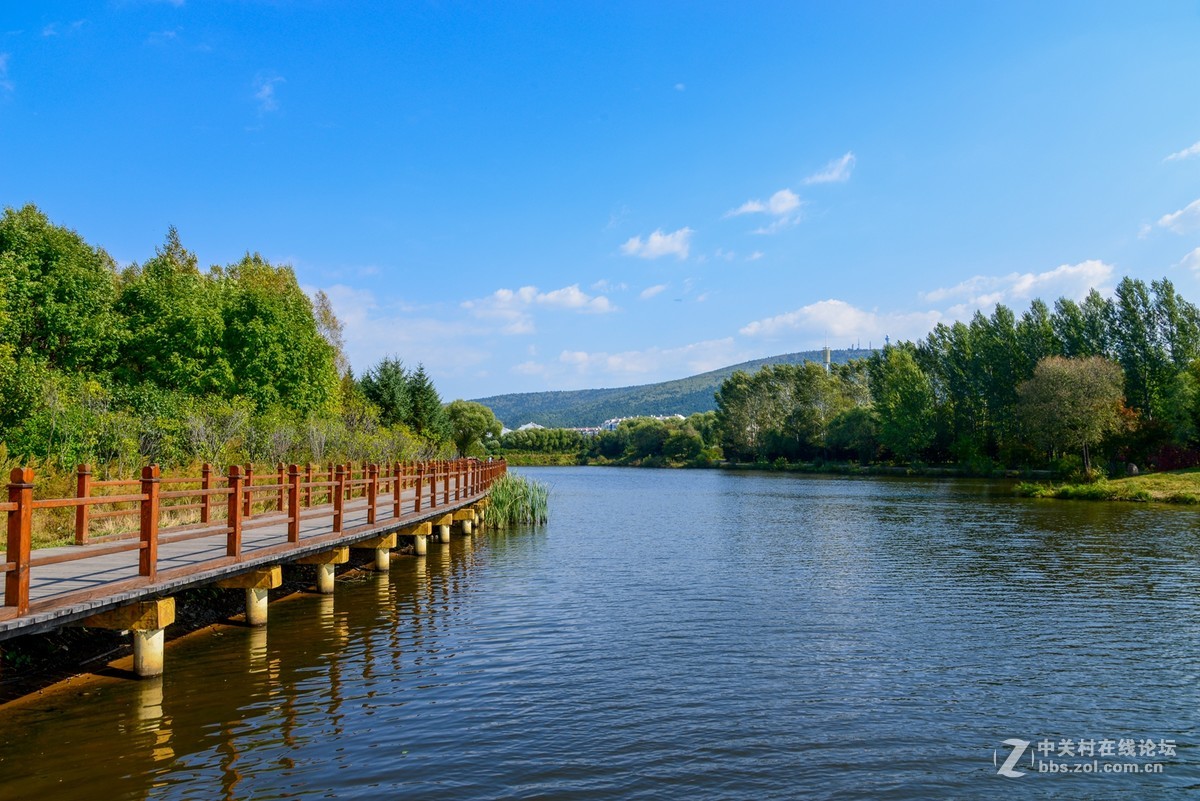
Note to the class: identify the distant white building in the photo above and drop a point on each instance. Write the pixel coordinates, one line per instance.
(611, 425)
(530, 427)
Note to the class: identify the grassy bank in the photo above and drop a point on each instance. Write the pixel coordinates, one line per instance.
(1178, 486)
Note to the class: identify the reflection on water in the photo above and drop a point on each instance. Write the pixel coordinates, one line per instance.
(676, 634)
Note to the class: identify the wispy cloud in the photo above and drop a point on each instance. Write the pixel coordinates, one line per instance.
(373, 330)
(163, 38)
(651, 363)
(1186, 153)
(1192, 261)
(676, 243)
(6, 85)
(1183, 221)
(837, 318)
(755, 256)
(651, 291)
(52, 28)
(785, 206)
(604, 285)
(512, 307)
(264, 91)
(982, 292)
(835, 171)
(679, 87)
(782, 202)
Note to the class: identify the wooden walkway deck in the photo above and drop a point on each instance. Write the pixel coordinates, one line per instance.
(73, 582)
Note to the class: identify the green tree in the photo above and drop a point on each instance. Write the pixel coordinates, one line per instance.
(427, 417)
(470, 424)
(387, 386)
(275, 351)
(176, 329)
(1072, 403)
(903, 403)
(58, 295)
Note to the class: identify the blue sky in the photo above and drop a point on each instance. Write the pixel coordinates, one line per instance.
(561, 195)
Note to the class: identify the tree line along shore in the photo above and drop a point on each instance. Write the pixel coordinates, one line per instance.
(161, 362)
(1080, 390)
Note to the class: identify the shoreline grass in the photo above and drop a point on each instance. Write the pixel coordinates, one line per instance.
(513, 500)
(1181, 487)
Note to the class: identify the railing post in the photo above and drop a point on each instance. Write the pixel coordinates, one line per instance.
(233, 537)
(308, 477)
(206, 483)
(148, 556)
(372, 492)
(418, 480)
(247, 495)
(433, 476)
(293, 476)
(83, 489)
(20, 522)
(446, 482)
(397, 487)
(281, 501)
(339, 497)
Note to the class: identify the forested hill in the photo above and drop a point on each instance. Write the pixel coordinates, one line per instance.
(590, 407)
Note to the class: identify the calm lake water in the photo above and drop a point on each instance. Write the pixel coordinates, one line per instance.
(683, 635)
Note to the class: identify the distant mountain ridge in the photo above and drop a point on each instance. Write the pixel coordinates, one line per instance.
(591, 407)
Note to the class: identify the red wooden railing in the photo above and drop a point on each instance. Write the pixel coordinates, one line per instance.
(293, 492)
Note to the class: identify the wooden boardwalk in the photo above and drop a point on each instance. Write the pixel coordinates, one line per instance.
(50, 587)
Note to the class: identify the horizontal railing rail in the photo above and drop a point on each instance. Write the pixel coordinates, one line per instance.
(290, 498)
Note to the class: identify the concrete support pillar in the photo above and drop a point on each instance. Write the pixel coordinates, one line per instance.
(257, 584)
(326, 573)
(443, 523)
(382, 550)
(148, 648)
(256, 606)
(466, 520)
(420, 533)
(420, 544)
(326, 567)
(147, 620)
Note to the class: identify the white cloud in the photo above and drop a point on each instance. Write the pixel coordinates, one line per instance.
(372, 330)
(680, 87)
(1182, 221)
(659, 244)
(1186, 153)
(604, 285)
(264, 92)
(1068, 280)
(651, 291)
(1192, 261)
(654, 364)
(839, 319)
(512, 307)
(835, 171)
(50, 30)
(784, 206)
(5, 84)
(782, 202)
(529, 368)
(755, 256)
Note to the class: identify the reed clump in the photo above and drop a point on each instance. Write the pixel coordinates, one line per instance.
(514, 500)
